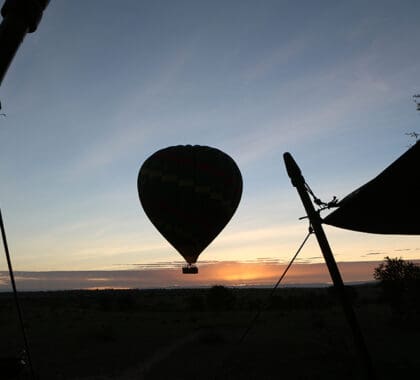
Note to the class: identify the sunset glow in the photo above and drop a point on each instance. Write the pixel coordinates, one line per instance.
(228, 274)
(87, 102)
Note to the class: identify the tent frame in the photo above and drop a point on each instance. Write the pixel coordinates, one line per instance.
(298, 181)
(19, 18)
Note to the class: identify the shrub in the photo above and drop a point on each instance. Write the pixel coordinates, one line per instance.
(400, 281)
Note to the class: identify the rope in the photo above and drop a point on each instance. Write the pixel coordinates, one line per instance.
(263, 307)
(322, 205)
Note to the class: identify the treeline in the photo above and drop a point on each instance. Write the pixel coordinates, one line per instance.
(216, 298)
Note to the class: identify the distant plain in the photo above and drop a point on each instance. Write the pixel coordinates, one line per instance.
(194, 334)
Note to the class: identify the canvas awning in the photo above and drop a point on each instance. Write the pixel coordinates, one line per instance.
(388, 204)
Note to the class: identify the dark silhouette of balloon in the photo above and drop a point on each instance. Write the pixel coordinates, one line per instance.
(189, 194)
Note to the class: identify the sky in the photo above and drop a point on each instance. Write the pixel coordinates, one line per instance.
(102, 85)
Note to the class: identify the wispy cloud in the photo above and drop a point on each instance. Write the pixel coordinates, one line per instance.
(110, 147)
(275, 60)
(128, 126)
(373, 254)
(317, 102)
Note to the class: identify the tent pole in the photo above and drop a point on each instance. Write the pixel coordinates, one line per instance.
(15, 294)
(19, 18)
(298, 181)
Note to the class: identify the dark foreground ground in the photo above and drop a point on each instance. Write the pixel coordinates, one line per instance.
(194, 333)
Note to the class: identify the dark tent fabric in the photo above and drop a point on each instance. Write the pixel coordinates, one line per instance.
(388, 204)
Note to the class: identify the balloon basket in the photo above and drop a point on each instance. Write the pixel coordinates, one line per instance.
(190, 269)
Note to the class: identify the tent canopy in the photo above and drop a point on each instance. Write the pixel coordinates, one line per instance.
(388, 204)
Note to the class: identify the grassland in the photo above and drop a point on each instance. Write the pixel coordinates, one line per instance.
(194, 333)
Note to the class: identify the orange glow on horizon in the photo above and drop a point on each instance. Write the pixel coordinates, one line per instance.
(221, 273)
(107, 288)
(232, 273)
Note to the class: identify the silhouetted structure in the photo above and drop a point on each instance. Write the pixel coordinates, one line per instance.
(388, 203)
(299, 182)
(19, 18)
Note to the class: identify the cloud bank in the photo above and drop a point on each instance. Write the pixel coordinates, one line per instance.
(264, 273)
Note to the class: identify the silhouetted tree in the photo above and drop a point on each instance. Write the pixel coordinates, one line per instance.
(400, 281)
(416, 99)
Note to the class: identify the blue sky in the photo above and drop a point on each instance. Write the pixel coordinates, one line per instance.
(102, 85)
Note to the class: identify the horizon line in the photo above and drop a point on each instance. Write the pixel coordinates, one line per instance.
(222, 273)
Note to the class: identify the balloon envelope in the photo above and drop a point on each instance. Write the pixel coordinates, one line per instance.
(189, 194)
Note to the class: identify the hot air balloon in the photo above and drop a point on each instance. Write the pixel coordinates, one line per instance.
(189, 193)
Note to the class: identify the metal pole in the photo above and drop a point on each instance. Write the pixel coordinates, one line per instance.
(15, 294)
(298, 181)
(19, 18)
